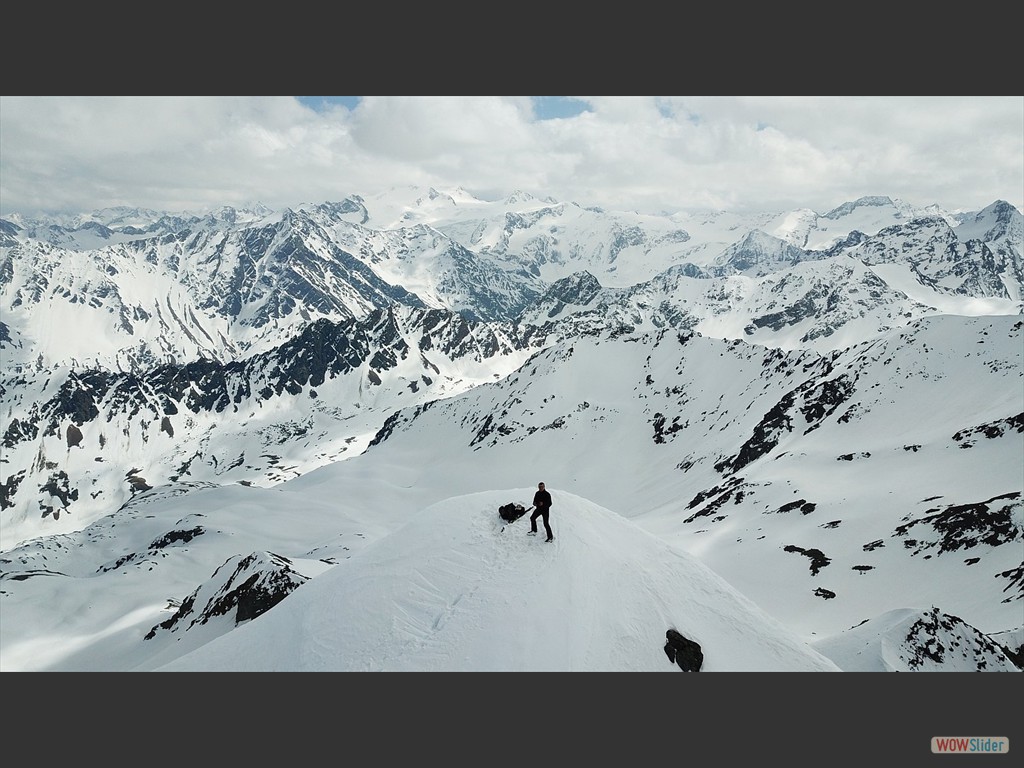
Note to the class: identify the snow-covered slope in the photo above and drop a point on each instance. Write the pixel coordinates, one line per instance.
(897, 460)
(833, 428)
(452, 591)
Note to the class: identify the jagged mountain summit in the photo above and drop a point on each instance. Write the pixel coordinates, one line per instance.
(832, 399)
(235, 283)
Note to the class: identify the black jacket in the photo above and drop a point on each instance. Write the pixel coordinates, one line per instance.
(542, 499)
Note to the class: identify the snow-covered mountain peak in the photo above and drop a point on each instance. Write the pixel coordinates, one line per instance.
(869, 201)
(998, 221)
(793, 226)
(519, 197)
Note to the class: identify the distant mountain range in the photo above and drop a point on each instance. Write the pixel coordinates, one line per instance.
(727, 382)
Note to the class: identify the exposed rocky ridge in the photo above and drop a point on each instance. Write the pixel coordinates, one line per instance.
(228, 291)
(239, 591)
(919, 641)
(939, 259)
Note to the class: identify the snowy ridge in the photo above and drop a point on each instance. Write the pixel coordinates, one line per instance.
(572, 605)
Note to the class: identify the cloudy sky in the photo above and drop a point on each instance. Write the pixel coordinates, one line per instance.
(644, 153)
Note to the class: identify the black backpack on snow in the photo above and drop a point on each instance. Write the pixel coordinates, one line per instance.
(510, 512)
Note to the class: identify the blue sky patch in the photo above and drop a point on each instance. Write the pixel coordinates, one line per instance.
(552, 107)
(321, 103)
(545, 107)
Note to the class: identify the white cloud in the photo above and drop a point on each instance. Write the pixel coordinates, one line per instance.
(626, 152)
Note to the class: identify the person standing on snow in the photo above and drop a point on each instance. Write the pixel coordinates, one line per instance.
(542, 502)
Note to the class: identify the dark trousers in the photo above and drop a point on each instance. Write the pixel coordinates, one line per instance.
(540, 512)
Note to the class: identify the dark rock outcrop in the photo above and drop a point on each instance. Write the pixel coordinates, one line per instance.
(246, 587)
(683, 651)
